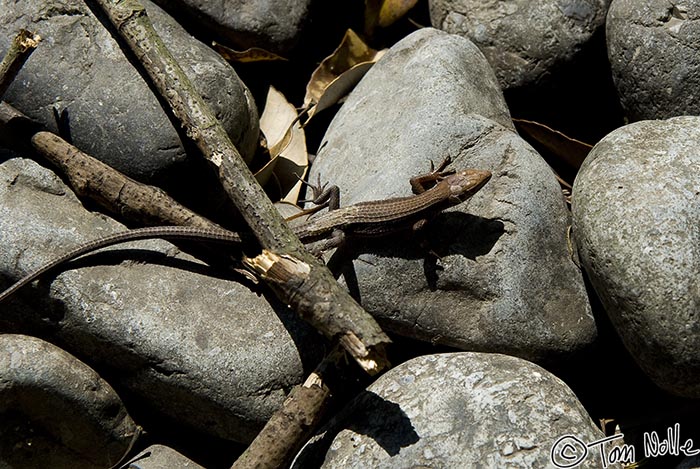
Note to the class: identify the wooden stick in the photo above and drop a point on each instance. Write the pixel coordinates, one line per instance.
(20, 49)
(311, 290)
(90, 178)
(287, 430)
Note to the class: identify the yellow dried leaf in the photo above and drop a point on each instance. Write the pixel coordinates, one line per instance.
(392, 10)
(339, 73)
(287, 144)
(288, 209)
(384, 13)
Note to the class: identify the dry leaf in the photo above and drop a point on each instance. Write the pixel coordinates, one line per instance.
(372, 8)
(287, 209)
(570, 150)
(384, 13)
(287, 143)
(392, 10)
(339, 73)
(254, 54)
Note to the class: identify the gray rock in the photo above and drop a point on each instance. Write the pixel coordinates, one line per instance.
(652, 47)
(636, 205)
(274, 25)
(455, 410)
(161, 457)
(505, 281)
(55, 411)
(202, 350)
(113, 114)
(524, 41)
(689, 462)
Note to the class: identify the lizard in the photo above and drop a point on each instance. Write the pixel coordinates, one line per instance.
(363, 219)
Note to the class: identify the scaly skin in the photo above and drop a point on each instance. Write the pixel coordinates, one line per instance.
(375, 218)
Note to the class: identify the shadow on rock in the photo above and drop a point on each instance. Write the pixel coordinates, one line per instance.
(370, 415)
(450, 233)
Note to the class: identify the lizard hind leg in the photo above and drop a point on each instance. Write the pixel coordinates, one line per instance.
(323, 196)
(317, 248)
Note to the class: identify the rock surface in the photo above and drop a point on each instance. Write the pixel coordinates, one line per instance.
(524, 41)
(689, 462)
(454, 410)
(505, 281)
(161, 457)
(113, 115)
(274, 25)
(653, 50)
(198, 348)
(55, 411)
(636, 205)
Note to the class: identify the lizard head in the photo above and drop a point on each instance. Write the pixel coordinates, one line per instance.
(465, 183)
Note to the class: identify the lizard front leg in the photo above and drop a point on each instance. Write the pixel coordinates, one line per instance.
(419, 183)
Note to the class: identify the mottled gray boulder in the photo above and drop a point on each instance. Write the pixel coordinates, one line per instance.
(202, 350)
(274, 25)
(524, 41)
(455, 410)
(689, 462)
(636, 206)
(113, 114)
(161, 457)
(55, 411)
(505, 281)
(653, 51)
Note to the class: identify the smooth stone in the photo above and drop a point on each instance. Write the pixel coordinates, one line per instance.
(113, 114)
(689, 462)
(193, 346)
(524, 41)
(161, 457)
(55, 411)
(636, 206)
(274, 25)
(505, 281)
(455, 410)
(652, 48)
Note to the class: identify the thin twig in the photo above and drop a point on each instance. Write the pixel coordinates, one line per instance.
(20, 49)
(90, 178)
(287, 430)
